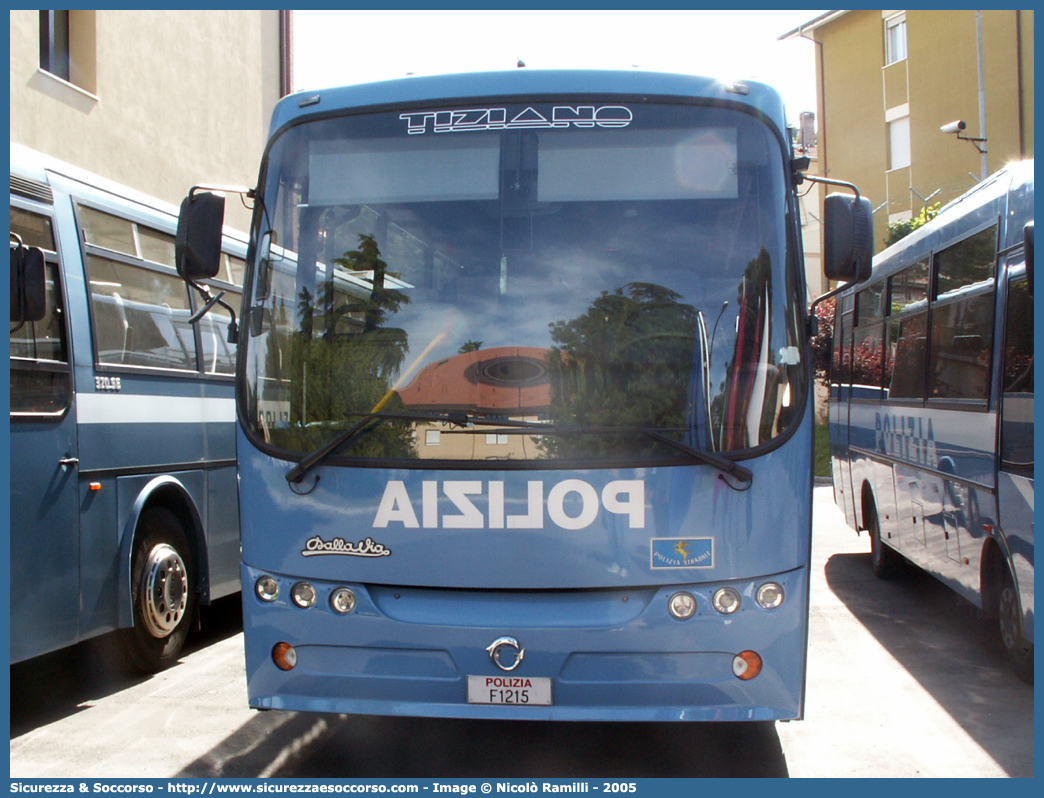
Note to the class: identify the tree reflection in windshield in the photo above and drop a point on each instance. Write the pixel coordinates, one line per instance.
(346, 359)
(626, 361)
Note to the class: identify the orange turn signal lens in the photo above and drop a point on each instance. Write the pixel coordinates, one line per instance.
(284, 656)
(746, 665)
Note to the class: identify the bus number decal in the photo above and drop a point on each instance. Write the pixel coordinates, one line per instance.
(107, 384)
(562, 116)
(570, 504)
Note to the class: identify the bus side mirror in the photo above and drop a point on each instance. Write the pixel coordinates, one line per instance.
(848, 235)
(1027, 246)
(197, 245)
(28, 284)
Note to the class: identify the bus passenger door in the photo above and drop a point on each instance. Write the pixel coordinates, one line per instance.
(840, 396)
(1015, 474)
(45, 551)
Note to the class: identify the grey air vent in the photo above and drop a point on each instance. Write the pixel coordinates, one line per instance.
(31, 189)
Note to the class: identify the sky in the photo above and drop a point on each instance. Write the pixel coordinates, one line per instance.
(336, 48)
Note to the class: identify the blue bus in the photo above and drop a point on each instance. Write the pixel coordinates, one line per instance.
(124, 509)
(931, 411)
(524, 400)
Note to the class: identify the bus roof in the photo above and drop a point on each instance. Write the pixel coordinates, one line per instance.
(1006, 195)
(31, 165)
(34, 165)
(527, 83)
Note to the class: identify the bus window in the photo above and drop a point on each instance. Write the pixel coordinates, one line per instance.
(962, 346)
(962, 319)
(155, 246)
(908, 288)
(232, 269)
(837, 359)
(867, 354)
(1017, 402)
(115, 233)
(40, 379)
(907, 292)
(870, 304)
(34, 229)
(140, 313)
(219, 356)
(868, 344)
(140, 316)
(967, 263)
(908, 344)
(111, 232)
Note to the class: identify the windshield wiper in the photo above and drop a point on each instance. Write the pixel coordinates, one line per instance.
(370, 421)
(718, 461)
(724, 464)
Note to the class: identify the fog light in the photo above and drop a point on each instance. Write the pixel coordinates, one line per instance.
(770, 595)
(267, 588)
(726, 601)
(746, 665)
(342, 600)
(284, 656)
(682, 606)
(303, 595)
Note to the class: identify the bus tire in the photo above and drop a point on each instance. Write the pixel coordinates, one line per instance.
(162, 591)
(1017, 648)
(885, 560)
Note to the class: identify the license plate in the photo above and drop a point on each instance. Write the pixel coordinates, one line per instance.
(511, 690)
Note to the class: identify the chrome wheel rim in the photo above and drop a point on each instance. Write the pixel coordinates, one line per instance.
(1009, 624)
(165, 589)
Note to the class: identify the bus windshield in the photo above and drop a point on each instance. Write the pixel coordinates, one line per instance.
(595, 269)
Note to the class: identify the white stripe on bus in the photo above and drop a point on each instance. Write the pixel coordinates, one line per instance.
(101, 408)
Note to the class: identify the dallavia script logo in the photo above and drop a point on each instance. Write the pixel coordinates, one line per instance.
(562, 116)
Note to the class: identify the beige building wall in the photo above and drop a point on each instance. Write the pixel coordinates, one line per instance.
(435, 441)
(809, 204)
(935, 84)
(157, 100)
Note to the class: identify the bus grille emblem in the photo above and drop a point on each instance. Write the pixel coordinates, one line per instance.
(510, 661)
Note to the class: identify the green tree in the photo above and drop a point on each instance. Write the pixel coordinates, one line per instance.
(347, 359)
(899, 230)
(626, 361)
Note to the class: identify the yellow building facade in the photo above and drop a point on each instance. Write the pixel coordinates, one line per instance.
(156, 100)
(888, 81)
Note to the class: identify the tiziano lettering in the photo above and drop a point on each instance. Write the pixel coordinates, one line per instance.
(561, 116)
(471, 504)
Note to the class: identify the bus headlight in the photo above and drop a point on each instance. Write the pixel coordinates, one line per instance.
(770, 595)
(342, 600)
(267, 588)
(726, 601)
(303, 595)
(682, 605)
